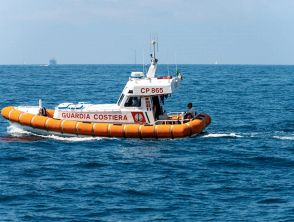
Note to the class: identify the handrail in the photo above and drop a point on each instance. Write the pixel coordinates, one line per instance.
(180, 118)
(161, 122)
(175, 113)
(171, 121)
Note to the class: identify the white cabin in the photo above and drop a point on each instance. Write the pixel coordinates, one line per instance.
(141, 101)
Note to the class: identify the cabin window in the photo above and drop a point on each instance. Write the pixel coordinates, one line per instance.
(133, 101)
(120, 99)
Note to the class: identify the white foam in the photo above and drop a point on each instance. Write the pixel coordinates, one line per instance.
(18, 131)
(71, 139)
(284, 137)
(254, 134)
(219, 135)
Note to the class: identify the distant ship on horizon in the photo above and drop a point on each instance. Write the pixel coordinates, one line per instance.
(52, 62)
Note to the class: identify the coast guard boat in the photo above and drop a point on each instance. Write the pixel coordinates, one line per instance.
(138, 113)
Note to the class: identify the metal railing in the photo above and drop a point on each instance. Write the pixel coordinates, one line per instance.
(178, 118)
(173, 118)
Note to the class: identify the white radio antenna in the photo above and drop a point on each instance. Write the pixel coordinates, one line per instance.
(153, 66)
(157, 43)
(150, 40)
(143, 60)
(167, 65)
(176, 62)
(135, 54)
(40, 103)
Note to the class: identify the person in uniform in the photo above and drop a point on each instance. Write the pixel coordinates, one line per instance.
(43, 111)
(190, 114)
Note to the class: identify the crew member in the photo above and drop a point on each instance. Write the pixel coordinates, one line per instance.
(43, 111)
(190, 114)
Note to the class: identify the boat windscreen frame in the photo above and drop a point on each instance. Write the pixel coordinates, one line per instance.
(120, 99)
(133, 101)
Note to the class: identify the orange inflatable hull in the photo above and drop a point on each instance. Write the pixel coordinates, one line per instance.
(48, 123)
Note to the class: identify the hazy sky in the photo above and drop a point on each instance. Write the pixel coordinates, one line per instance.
(110, 31)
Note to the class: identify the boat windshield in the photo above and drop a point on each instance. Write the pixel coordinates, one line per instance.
(120, 99)
(133, 101)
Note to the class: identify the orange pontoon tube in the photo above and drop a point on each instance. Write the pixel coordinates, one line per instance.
(72, 127)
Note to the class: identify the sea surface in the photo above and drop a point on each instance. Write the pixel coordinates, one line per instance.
(240, 169)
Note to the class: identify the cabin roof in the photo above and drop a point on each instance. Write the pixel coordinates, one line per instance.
(151, 86)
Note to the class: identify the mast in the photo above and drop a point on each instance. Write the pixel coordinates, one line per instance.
(153, 66)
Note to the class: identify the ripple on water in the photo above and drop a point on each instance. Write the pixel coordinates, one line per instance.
(240, 169)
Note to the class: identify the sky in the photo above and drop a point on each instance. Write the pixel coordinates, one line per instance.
(118, 31)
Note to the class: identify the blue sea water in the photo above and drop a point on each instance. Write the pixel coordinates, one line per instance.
(240, 169)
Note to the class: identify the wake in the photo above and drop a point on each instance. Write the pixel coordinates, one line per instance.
(19, 132)
(16, 131)
(268, 135)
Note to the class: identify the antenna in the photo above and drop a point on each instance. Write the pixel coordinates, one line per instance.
(143, 58)
(157, 43)
(167, 65)
(150, 40)
(154, 46)
(40, 103)
(135, 57)
(176, 62)
(154, 43)
(153, 66)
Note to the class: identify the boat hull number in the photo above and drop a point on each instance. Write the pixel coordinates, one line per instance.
(151, 90)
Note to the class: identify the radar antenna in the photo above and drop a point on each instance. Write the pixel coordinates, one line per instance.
(154, 60)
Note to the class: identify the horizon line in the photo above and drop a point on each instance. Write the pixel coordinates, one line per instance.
(219, 64)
